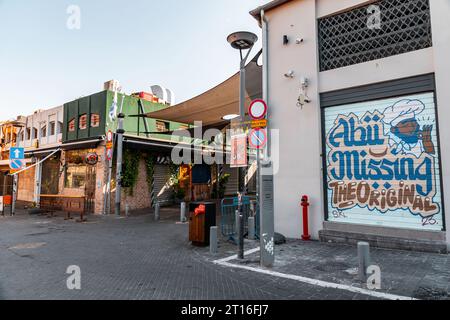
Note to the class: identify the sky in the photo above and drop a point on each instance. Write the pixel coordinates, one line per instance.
(180, 44)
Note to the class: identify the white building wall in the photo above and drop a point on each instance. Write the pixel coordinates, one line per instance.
(300, 129)
(440, 14)
(299, 172)
(38, 120)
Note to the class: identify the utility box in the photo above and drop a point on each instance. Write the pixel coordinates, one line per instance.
(202, 216)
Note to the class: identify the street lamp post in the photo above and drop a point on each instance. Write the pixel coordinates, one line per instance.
(242, 41)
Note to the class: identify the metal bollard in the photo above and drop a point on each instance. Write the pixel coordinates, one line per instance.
(183, 212)
(127, 210)
(363, 259)
(241, 237)
(251, 228)
(157, 208)
(213, 240)
(236, 225)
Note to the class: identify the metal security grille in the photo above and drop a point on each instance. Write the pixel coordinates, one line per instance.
(346, 39)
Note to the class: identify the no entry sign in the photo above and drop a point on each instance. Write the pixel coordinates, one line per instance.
(258, 109)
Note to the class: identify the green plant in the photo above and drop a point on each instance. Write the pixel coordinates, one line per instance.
(130, 170)
(219, 192)
(150, 168)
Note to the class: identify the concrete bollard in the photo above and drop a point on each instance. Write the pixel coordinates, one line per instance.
(183, 212)
(213, 240)
(251, 228)
(157, 208)
(127, 210)
(363, 259)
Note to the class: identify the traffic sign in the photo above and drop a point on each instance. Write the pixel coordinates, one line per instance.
(17, 153)
(258, 138)
(259, 124)
(16, 164)
(109, 139)
(258, 109)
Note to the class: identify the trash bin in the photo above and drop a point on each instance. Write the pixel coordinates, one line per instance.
(202, 216)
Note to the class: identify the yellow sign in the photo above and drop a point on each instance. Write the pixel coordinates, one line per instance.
(259, 124)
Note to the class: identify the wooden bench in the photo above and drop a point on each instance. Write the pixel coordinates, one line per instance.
(69, 204)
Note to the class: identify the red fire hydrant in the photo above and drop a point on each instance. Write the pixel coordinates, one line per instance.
(305, 205)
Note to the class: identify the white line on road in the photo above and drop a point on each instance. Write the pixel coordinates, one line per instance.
(324, 284)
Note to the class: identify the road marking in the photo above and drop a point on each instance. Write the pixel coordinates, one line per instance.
(324, 284)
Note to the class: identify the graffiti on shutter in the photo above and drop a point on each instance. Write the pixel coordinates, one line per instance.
(382, 163)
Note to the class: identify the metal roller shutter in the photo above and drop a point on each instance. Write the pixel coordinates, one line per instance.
(382, 157)
(163, 191)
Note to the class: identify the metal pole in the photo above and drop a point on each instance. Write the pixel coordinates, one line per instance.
(15, 177)
(120, 133)
(241, 236)
(266, 189)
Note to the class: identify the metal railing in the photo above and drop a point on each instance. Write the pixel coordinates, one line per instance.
(229, 206)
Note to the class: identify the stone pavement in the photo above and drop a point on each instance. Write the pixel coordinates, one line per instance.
(138, 258)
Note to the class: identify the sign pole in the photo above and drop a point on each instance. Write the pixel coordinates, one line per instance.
(120, 132)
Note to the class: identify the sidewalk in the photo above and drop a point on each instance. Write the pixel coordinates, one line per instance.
(416, 275)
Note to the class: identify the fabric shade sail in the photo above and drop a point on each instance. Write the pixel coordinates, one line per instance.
(211, 106)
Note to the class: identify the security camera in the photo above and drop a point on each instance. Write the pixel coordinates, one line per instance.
(299, 40)
(289, 74)
(303, 99)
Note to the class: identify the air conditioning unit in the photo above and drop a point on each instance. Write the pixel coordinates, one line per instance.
(112, 85)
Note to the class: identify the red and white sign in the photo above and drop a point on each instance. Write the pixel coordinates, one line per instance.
(239, 151)
(257, 138)
(258, 109)
(109, 145)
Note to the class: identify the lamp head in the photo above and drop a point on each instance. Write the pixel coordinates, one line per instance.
(242, 40)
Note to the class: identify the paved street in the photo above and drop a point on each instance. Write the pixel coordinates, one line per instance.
(137, 258)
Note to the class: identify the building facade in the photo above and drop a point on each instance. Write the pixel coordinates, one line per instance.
(358, 91)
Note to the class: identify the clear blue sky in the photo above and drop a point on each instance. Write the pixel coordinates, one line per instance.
(180, 44)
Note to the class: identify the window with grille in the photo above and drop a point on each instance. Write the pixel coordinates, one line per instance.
(83, 122)
(95, 120)
(72, 125)
(162, 126)
(349, 38)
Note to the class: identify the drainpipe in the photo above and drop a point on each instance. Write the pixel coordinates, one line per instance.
(265, 68)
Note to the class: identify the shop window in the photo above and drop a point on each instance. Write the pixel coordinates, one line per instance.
(75, 176)
(52, 128)
(95, 120)
(162, 126)
(71, 125)
(83, 122)
(75, 172)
